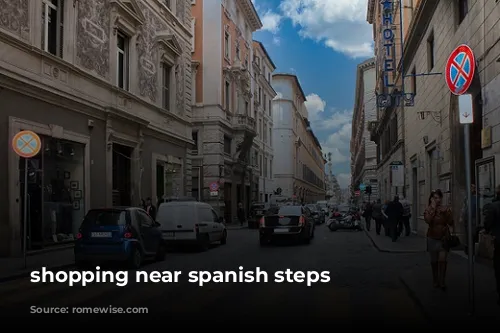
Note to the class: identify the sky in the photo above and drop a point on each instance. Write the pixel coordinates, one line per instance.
(322, 42)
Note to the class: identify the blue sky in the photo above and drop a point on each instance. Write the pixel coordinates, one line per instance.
(321, 41)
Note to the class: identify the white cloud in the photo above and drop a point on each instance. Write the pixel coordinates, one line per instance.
(344, 179)
(338, 123)
(271, 21)
(340, 24)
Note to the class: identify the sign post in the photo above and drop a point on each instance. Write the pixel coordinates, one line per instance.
(460, 70)
(26, 144)
(214, 192)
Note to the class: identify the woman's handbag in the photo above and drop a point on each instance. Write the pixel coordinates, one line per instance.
(450, 240)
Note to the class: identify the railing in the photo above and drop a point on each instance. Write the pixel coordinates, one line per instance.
(243, 121)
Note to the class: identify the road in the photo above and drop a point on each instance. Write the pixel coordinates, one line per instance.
(364, 284)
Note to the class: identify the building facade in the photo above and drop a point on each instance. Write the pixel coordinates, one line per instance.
(263, 153)
(298, 164)
(106, 85)
(435, 140)
(223, 105)
(363, 150)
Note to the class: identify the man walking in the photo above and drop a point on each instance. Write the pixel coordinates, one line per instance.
(394, 212)
(241, 214)
(405, 219)
(492, 226)
(150, 209)
(464, 219)
(377, 216)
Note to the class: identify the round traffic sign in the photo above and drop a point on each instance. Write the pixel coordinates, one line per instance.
(460, 69)
(26, 144)
(214, 187)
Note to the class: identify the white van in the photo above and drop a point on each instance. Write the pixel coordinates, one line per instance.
(191, 222)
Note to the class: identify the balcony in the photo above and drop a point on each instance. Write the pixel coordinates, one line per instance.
(244, 123)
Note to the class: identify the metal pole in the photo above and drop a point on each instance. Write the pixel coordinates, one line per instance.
(25, 213)
(470, 240)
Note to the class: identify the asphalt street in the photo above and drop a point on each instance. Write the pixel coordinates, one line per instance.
(364, 284)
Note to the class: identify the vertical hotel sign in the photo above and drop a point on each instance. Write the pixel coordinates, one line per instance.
(389, 59)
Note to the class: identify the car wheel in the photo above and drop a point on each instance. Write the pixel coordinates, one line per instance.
(204, 243)
(223, 240)
(135, 261)
(332, 227)
(161, 253)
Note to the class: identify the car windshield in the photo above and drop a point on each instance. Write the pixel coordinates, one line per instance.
(107, 217)
(290, 210)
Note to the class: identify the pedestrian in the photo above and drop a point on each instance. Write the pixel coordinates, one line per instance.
(394, 212)
(439, 219)
(150, 209)
(241, 214)
(464, 219)
(405, 219)
(385, 217)
(377, 216)
(491, 213)
(367, 214)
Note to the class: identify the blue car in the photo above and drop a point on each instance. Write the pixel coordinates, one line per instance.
(119, 234)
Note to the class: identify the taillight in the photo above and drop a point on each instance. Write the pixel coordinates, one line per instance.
(302, 221)
(128, 233)
(79, 235)
(262, 222)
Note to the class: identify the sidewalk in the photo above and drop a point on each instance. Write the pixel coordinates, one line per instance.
(410, 244)
(235, 226)
(13, 268)
(441, 305)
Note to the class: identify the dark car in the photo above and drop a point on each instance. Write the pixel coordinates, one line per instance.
(124, 234)
(287, 221)
(316, 213)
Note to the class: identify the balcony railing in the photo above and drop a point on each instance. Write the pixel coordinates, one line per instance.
(244, 122)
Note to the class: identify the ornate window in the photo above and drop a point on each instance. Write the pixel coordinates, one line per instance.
(169, 53)
(122, 60)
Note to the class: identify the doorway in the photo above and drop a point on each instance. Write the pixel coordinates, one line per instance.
(160, 181)
(122, 182)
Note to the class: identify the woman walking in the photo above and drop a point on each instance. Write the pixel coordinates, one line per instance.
(440, 220)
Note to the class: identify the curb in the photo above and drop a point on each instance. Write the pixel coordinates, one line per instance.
(20, 275)
(387, 250)
(416, 300)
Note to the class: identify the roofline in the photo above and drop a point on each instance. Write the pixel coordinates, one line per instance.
(255, 20)
(296, 82)
(266, 53)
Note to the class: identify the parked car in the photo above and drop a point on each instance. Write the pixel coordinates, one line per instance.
(323, 204)
(191, 222)
(287, 221)
(124, 234)
(317, 213)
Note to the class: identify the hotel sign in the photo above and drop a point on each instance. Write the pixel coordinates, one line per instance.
(389, 60)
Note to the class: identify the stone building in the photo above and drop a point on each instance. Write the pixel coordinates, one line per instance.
(298, 164)
(363, 150)
(107, 87)
(263, 153)
(223, 107)
(435, 140)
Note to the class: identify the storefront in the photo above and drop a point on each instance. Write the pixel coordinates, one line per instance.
(58, 187)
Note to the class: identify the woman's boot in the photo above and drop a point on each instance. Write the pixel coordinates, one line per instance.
(442, 274)
(435, 275)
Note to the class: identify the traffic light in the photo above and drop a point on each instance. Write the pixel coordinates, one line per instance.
(368, 190)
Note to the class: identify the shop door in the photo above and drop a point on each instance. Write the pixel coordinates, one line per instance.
(160, 181)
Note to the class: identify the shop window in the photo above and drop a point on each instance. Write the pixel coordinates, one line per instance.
(53, 26)
(122, 156)
(56, 192)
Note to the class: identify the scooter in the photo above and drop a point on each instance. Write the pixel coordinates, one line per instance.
(350, 222)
